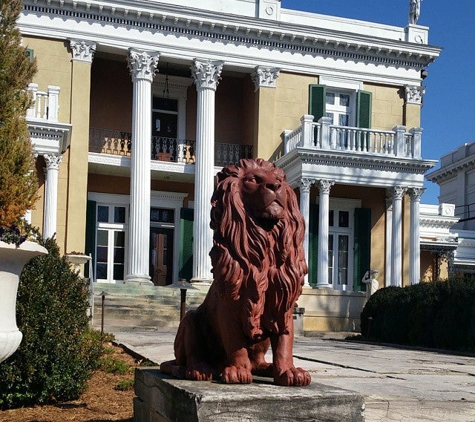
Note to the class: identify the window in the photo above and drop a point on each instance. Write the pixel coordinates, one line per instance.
(110, 243)
(164, 117)
(345, 103)
(339, 108)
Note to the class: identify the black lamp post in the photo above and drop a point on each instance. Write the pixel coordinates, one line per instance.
(183, 285)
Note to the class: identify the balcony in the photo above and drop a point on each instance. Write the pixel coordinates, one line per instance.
(173, 150)
(324, 136)
(47, 134)
(353, 156)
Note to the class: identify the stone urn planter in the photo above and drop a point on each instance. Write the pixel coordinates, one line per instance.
(78, 259)
(12, 260)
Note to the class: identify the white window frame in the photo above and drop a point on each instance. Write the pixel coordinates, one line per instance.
(342, 86)
(112, 201)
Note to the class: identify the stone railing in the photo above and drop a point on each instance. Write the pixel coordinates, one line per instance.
(45, 103)
(327, 137)
(164, 149)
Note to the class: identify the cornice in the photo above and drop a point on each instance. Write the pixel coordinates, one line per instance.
(370, 162)
(437, 222)
(246, 31)
(49, 137)
(449, 172)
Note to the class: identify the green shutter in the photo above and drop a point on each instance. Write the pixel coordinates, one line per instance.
(362, 255)
(30, 54)
(186, 243)
(313, 245)
(316, 101)
(363, 118)
(90, 234)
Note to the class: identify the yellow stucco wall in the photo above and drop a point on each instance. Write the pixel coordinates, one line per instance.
(412, 115)
(54, 68)
(79, 148)
(280, 109)
(387, 106)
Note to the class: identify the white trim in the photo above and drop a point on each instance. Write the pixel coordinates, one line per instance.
(178, 89)
(158, 199)
(340, 83)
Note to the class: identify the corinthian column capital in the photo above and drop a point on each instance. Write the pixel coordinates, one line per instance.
(206, 73)
(305, 185)
(324, 186)
(264, 76)
(52, 161)
(82, 51)
(142, 64)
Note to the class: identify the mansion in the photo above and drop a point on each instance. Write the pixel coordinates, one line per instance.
(140, 103)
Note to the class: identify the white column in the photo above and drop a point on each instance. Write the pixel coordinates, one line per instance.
(323, 230)
(415, 248)
(305, 185)
(396, 240)
(51, 194)
(206, 75)
(142, 67)
(389, 237)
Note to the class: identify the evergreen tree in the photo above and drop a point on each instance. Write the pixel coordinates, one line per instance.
(18, 180)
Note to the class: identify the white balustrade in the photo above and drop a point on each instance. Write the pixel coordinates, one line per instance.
(325, 136)
(45, 103)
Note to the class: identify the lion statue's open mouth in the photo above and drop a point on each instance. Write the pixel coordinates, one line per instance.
(258, 268)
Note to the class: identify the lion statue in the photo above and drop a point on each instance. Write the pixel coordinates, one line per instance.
(258, 268)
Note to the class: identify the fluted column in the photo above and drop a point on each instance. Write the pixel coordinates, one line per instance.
(389, 237)
(415, 249)
(142, 67)
(206, 75)
(323, 230)
(51, 194)
(305, 185)
(396, 239)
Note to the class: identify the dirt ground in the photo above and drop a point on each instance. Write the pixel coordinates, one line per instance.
(100, 402)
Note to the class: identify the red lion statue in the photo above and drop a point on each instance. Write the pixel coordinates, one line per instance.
(258, 267)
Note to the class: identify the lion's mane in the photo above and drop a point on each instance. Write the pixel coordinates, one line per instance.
(258, 264)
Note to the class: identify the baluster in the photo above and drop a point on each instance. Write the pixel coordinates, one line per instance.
(192, 151)
(236, 154)
(173, 150)
(218, 151)
(114, 142)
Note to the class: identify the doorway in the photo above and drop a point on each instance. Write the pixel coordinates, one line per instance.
(161, 256)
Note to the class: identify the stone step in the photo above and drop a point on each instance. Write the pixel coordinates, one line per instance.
(128, 307)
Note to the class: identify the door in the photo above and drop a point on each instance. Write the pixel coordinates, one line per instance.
(161, 256)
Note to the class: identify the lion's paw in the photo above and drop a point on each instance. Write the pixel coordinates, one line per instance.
(236, 375)
(200, 372)
(293, 377)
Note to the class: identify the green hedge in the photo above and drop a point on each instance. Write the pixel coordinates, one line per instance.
(58, 350)
(436, 314)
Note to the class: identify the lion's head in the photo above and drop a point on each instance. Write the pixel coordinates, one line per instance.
(258, 236)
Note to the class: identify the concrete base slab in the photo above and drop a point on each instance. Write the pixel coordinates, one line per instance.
(164, 399)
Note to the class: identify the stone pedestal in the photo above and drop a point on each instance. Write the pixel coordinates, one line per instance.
(162, 399)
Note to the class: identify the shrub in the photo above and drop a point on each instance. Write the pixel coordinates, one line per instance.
(437, 314)
(58, 351)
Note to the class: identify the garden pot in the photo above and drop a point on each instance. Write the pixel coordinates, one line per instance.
(12, 260)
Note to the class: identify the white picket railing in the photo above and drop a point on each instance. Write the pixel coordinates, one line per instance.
(322, 135)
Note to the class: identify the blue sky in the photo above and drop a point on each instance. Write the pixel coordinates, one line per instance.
(448, 114)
